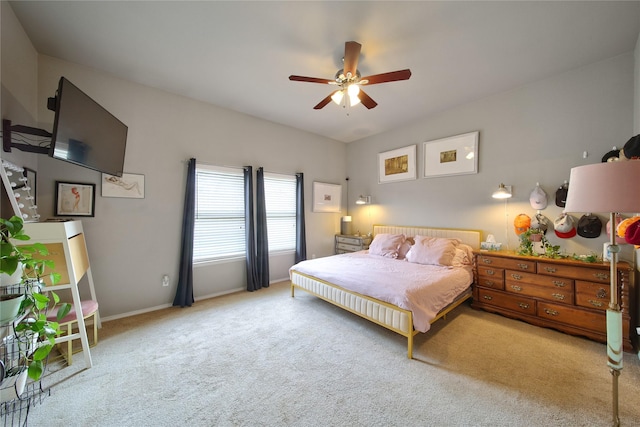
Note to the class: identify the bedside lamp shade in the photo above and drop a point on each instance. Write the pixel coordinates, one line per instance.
(610, 187)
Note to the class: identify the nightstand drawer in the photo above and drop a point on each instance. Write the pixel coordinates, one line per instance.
(355, 241)
(347, 247)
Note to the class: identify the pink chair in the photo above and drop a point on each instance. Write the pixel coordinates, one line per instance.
(89, 309)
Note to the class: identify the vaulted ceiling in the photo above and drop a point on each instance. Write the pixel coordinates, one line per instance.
(239, 54)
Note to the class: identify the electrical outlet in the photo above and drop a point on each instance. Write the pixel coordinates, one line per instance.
(165, 280)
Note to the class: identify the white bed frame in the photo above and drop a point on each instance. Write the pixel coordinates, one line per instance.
(382, 313)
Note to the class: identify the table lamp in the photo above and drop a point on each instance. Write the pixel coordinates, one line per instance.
(608, 188)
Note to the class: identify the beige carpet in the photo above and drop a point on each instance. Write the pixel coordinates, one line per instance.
(266, 359)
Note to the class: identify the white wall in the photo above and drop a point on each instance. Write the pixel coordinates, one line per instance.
(133, 242)
(535, 133)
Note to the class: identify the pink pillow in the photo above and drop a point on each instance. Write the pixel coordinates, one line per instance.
(386, 245)
(432, 250)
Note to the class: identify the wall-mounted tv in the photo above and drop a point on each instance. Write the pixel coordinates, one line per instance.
(85, 133)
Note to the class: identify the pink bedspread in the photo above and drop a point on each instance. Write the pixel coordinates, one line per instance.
(422, 289)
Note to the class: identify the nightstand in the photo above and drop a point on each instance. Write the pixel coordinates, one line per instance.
(347, 243)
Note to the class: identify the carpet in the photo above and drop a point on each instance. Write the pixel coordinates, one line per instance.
(266, 359)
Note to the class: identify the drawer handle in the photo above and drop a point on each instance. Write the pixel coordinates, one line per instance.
(558, 296)
(489, 283)
(559, 284)
(516, 276)
(516, 288)
(491, 272)
(486, 260)
(523, 266)
(601, 276)
(523, 305)
(487, 297)
(596, 303)
(550, 312)
(601, 293)
(550, 269)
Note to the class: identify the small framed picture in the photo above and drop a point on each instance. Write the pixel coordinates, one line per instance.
(75, 199)
(129, 185)
(326, 197)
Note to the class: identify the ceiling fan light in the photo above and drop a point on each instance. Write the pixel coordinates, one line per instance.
(337, 97)
(353, 90)
(353, 100)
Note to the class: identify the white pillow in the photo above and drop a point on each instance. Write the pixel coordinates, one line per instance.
(386, 245)
(460, 258)
(432, 250)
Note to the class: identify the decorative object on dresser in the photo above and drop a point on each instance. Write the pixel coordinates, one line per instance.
(345, 243)
(612, 188)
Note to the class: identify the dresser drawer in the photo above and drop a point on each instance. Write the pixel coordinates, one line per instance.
(564, 296)
(496, 282)
(577, 272)
(540, 280)
(513, 264)
(511, 302)
(592, 320)
(592, 295)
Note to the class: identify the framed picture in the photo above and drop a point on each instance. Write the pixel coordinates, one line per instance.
(397, 165)
(128, 185)
(75, 199)
(31, 182)
(456, 155)
(326, 197)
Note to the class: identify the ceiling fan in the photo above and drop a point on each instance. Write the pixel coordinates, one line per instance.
(348, 80)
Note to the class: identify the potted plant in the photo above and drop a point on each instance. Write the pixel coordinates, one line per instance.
(32, 326)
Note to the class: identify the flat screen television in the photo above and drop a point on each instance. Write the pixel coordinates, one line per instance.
(85, 133)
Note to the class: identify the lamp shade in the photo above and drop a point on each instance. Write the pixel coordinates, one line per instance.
(605, 187)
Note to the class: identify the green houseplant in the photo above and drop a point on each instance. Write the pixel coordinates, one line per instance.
(536, 235)
(33, 325)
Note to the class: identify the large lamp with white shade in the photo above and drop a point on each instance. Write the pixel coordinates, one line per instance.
(608, 188)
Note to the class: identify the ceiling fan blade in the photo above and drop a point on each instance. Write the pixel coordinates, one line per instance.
(351, 56)
(393, 76)
(324, 102)
(310, 79)
(366, 100)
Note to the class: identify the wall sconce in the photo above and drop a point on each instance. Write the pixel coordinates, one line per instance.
(503, 192)
(363, 200)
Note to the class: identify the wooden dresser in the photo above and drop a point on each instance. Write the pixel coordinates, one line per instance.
(568, 295)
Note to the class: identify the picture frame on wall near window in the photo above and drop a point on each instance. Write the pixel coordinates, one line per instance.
(129, 185)
(455, 155)
(397, 165)
(326, 197)
(75, 199)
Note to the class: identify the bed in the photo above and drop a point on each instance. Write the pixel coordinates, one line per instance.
(407, 307)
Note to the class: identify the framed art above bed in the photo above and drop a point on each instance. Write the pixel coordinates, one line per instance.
(455, 155)
(397, 165)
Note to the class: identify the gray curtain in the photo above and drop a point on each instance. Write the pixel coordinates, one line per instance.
(262, 248)
(301, 240)
(253, 282)
(184, 293)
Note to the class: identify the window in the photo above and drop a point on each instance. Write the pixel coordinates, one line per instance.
(280, 201)
(219, 217)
